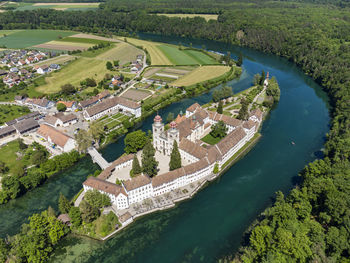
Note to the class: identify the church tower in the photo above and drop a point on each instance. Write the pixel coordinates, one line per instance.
(157, 129)
(173, 135)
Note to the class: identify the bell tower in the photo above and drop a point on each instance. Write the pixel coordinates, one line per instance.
(157, 129)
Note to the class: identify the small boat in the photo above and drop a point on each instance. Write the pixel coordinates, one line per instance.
(293, 143)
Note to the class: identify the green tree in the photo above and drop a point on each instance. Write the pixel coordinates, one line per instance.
(64, 205)
(216, 168)
(68, 89)
(116, 63)
(3, 167)
(175, 158)
(243, 113)
(134, 141)
(96, 131)
(240, 60)
(22, 146)
(61, 107)
(11, 185)
(38, 157)
(219, 129)
(262, 78)
(149, 162)
(109, 65)
(90, 82)
(75, 216)
(220, 107)
(97, 199)
(136, 168)
(4, 250)
(88, 212)
(83, 140)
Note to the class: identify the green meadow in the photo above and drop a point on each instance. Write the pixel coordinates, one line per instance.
(28, 38)
(186, 57)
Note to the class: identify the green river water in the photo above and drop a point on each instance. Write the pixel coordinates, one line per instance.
(212, 223)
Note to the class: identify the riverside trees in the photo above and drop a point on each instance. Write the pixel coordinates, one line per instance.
(175, 158)
(149, 162)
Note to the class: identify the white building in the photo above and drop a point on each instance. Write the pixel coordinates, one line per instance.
(55, 137)
(61, 120)
(112, 105)
(138, 188)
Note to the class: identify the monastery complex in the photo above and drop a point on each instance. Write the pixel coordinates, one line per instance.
(199, 158)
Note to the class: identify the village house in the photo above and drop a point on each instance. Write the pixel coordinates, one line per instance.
(43, 69)
(70, 105)
(41, 104)
(93, 100)
(56, 138)
(61, 120)
(111, 105)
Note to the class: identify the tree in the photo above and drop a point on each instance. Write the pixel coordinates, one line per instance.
(216, 168)
(38, 157)
(64, 205)
(243, 111)
(170, 117)
(68, 89)
(97, 199)
(116, 63)
(3, 167)
(136, 168)
(75, 216)
(220, 107)
(88, 212)
(219, 130)
(240, 60)
(96, 131)
(4, 250)
(134, 141)
(149, 162)
(61, 107)
(91, 82)
(11, 185)
(83, 140)
(216, 95)
(22, 146)
(175, 158)
(109, 65)
(262, 78)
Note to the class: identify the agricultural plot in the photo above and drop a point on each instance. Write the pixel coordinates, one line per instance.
(10, 112)
(136, 94)
(185, 57)
(123, 52)
(7, 32)
(29, 38)
(74, 73)
(167, 74)
(157, 56)
(82, 40)
(89, 36)
(201, 74)
(57, 6)
(205, 16)
(57, 60)
(65, 46)
(113, 121)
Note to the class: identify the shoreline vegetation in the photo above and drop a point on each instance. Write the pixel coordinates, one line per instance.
(315, 213)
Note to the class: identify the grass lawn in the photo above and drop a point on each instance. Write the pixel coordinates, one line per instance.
(157, 56)
(74, 73)
(205, 16)
(185, 57)
(95, 53)
(210, 139)
(58, 6)
(8, 154)
(123, 52)
(57, 60)
(28, 38)
(10, 112)
(7, 32)
(201, 74)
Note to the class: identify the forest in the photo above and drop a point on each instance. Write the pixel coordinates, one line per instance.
(312, 222)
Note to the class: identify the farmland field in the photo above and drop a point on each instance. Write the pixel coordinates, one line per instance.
(28, 38)
(66, 46)
(57, 60)
(136, 95)
(157, 56)
(201, 74)
(74, 73)
(7, 32)
(123, 52)
(185, 57)
(90, 41)
(89, 36)
(205, 16)
(10, 112)
(58, 6)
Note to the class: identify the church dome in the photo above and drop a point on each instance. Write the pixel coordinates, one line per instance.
(173, 125)
(157, 118)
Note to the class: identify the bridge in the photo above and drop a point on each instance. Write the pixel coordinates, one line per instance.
(97, 158)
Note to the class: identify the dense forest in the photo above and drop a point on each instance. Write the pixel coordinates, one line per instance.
(312, 223)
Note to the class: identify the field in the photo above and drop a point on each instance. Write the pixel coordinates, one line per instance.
(81, 40)
(57, 60)
(122, 52)
(210, 139)
(74, 73)
(185, 57)
(114, 120)
(58, 6)
(10, 112)
(89, 36)
(28, 38)
(205, 16)
(8, 154)
(164, 54)
(157, 56)
(136, 95)
(7, 32)
(201, 74)
(64, 45)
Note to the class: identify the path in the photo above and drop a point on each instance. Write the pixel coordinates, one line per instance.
(97, 158)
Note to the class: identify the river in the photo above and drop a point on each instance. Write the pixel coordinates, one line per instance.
(212, 223)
